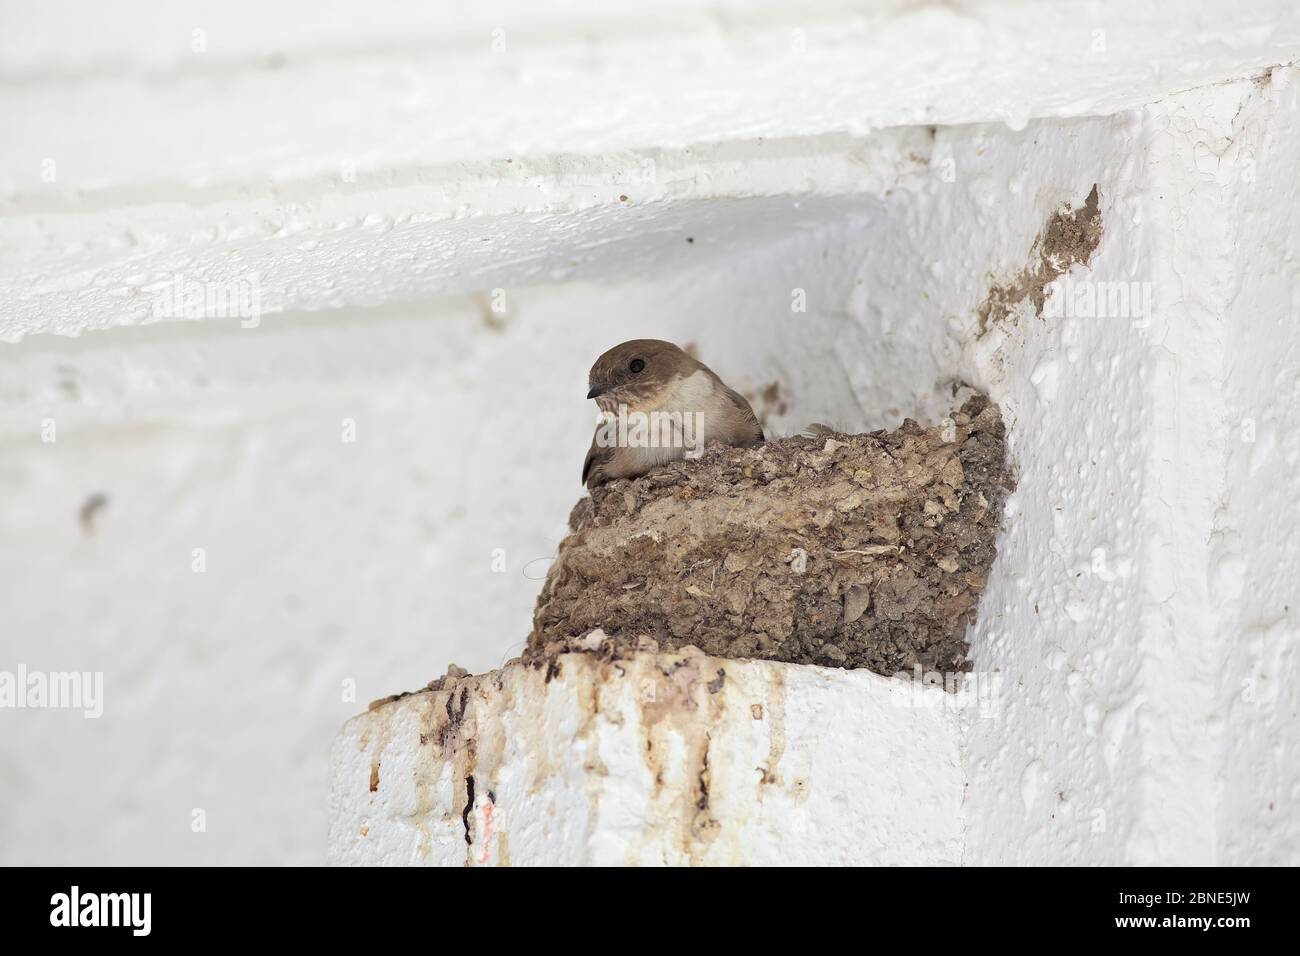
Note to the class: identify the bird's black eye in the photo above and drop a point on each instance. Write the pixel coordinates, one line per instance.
(637, 366)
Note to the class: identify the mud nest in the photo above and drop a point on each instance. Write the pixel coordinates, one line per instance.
(842, 550)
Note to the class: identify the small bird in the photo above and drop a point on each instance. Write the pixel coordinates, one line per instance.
(658, 405)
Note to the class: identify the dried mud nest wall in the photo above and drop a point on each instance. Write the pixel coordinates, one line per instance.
(844, 550)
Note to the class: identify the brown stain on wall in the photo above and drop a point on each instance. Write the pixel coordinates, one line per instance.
(454, 794)
(768, 401)
(1069, 236)
(675, 711)
(447, 733)
(681, 699)
(375, 743)
(775, 712)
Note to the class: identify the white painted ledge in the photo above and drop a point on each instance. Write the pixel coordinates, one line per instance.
(656, 759)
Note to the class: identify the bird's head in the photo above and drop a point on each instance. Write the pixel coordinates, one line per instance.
(636, 371)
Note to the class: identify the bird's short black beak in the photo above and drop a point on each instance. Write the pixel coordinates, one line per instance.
(597, 390)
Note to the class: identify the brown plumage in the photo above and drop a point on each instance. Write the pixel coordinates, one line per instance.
(679, 398)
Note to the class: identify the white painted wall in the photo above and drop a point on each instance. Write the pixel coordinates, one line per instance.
(1153, 685)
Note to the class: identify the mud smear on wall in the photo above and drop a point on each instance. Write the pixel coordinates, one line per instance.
(456, 804)
(448, 733)
(681, 699)
(768, 401)
(841, 550)
(1069, 236)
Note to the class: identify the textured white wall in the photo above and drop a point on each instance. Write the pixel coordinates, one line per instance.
(1230, 393)
(1157, 688)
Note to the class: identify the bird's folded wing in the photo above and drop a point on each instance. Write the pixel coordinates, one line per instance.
(746, 412)
(596, 456)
